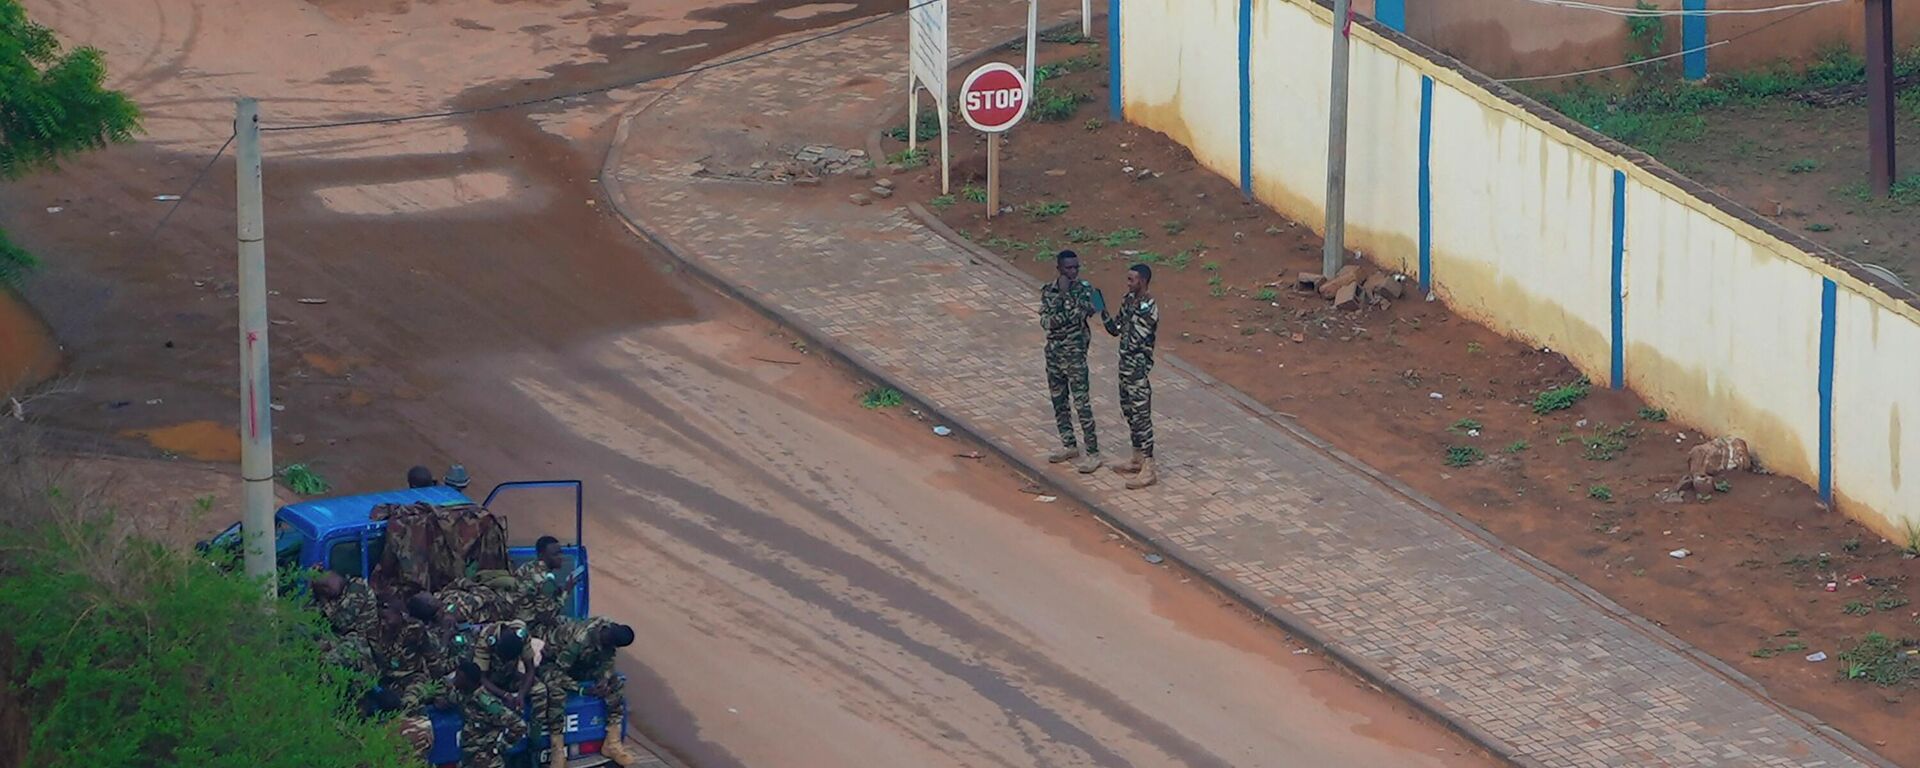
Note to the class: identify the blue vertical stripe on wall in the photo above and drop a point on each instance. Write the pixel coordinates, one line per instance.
(1426, 184)
(1693, 39)
(1828, 304)
(1392, 13)
(1115, 108)
(1618, 296)
(1246, 98)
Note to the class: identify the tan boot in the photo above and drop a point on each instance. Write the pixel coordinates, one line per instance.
(615, 748)
(1130, 466)
(558, 757)
(1063, 455)
(1090, 463)
(1146, 477)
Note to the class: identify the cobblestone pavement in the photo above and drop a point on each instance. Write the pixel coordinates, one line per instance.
(1511, 657)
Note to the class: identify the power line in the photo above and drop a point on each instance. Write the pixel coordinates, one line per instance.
(604, 88)
(1648, 13)
(1643, 62)
(191, 185)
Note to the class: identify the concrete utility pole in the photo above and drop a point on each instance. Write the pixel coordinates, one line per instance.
(1336, 249)
(1880, 95)
(256, 411)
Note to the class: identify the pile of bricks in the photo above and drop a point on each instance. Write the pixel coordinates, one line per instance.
(1355, 286)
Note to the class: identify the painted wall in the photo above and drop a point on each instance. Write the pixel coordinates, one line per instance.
(1518, 38)
(1547, 232)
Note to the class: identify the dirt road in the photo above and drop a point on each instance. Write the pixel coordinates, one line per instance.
(814, 583)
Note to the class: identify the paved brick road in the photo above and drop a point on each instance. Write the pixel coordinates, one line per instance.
(1484, 639)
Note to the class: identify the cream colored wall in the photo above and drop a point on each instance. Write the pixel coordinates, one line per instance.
(1721, 320)
(1876, 413)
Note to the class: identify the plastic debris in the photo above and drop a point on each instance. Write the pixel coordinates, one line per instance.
(313, 301)
(1154, 559)
(1436, 396)
(942, 430)
(1817, 656)
(166, 198)
(1679, 554)
(54, 209)
(1046, 499)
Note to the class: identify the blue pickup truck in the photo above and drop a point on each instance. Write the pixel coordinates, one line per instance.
(337, 534)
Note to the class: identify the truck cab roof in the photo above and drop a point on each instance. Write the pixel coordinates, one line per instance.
(320, 519)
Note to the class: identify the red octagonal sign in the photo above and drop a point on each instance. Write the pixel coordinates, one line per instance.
(994, 97)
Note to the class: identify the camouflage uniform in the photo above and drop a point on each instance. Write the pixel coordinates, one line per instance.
(576, 660)
(352, 652)
(548, 704)
(488, 728)
(1136, 325)
(471, 603)
(539, 596)
(406, 664)
(355, 611)
(1063, 314)
(418, 731)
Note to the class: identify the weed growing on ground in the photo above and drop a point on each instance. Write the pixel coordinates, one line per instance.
(1879, 660)
(1052, 105)
(974, 194)
(929, 128)
(1211, 266)
(1803, 165)
(1463, 455)
(1464, 425)
(1818, 227)
(1216, 287)
(304, 481)
(1121, 238)
(1173, 227)
(1607, 444)
(1081, 235)
(1517, 446)
(1562, 398)
(1850, 545)
(1653, 414)
(1473, 348)
(1266, 294)
(1856, 608)
(1094, 124)
(1600, 493)
(1045, 209)
(909, 158)
(880, 397)
(942, 202)
(1722, 486)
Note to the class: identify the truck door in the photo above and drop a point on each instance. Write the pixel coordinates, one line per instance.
(536, 508)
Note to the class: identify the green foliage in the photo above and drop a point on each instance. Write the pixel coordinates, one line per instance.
(1645, 34)
(942, 202)
(1094, 124)
(1052, 105)
(1464, 425)
(1653, 414)
(1819, 227)
(1463, 455)
(1600, 493)
(1121, 238)
(1606, 444)
(1562, 398)
(928, 126)
(1065, 35)
(974, 194)
(304, 481)
(1266, 294)
(52, 104)
(1045, 209)
(1516, 446)
(1878, 659)
(127, 653)
(880, 397)
(909, 158)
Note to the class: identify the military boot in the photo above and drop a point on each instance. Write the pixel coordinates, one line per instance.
(1130, 466)
(615, 746)
(1089, 463)
(1146, 476)
(1063, 454)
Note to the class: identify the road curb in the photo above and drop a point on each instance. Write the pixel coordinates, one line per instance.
(1040, 471)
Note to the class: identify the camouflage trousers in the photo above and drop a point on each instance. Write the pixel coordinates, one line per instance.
(1136, 399)
(1067, 378)
(418, 731)
(483, 746)
(612, 688)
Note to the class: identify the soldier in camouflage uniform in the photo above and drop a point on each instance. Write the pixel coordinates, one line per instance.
(580, 658)
(543, 583)
(1136, 325)
(489, 726)
(508, 657)
(1065, 304)
(406, 652)
(347, 602)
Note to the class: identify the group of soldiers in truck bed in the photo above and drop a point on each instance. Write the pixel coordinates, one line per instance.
(497, 647)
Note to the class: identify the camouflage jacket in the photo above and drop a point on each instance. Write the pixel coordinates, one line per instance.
(1063, 313)
(487, 723)
(355, 611)
(478, 644)
(576, 652)
(539, 594)
(1137, 325)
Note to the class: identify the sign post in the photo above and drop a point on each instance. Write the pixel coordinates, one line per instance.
(992, 100)
(927, 68)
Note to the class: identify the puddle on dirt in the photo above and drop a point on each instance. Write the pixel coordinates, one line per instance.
(28, 355)
(199, 440)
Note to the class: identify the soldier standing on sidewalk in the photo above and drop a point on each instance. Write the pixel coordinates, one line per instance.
(1065, 304)
(1138, 321)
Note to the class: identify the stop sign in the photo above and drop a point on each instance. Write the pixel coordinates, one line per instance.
(994, 97)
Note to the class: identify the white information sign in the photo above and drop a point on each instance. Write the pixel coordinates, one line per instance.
(927, 68)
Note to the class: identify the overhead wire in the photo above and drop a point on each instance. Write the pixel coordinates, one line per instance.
(1648, 13)
(1664, 57)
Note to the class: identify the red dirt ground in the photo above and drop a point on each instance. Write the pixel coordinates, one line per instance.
(1752, 593)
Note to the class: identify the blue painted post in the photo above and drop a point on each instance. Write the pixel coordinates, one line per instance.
(1246, 99)
(1426, 184)
(1116, 108)
(1392, 13)
(1829, 303)
(1693, 39)
(1618, 296)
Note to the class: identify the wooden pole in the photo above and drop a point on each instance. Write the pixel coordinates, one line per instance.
(993, 175)
(1880, 115)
